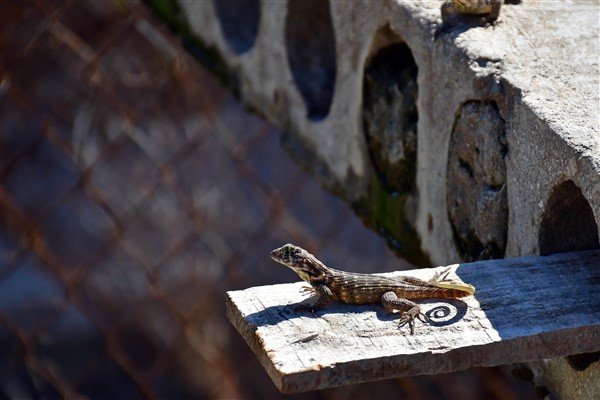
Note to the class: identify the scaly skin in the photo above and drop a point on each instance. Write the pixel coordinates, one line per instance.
(355, 288)
(481, 11)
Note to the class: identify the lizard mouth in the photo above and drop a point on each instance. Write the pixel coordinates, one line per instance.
(284, 253)
(276, 255)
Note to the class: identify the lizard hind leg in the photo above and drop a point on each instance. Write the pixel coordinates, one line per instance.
(410, 310)
(441, 276)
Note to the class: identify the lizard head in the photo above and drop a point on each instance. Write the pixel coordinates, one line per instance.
(300, 261)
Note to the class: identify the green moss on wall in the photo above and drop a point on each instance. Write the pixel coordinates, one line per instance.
(386, 214)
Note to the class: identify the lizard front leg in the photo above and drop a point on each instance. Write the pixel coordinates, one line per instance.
(409, 309)
(493, 15)
(324, 296)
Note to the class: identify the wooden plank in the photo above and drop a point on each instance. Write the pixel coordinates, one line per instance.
(524, 309)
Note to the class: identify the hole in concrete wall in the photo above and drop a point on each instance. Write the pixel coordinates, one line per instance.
(568, 222)
(580, 362)
(310, 42)
(390, 116)
(476, 182)
(239, 22)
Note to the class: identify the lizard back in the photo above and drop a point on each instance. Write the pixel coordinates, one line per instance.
(357, 288)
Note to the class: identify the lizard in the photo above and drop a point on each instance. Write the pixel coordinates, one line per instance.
(394, 293)
(479, 12)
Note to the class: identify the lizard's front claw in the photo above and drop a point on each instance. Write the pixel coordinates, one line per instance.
(307, 290)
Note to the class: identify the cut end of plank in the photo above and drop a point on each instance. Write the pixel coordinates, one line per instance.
(524, 309)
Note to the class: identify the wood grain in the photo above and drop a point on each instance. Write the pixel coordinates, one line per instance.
(524, 309)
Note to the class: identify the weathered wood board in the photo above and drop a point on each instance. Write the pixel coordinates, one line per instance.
(524, 309)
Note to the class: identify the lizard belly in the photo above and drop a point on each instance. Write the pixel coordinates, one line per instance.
(364, 295)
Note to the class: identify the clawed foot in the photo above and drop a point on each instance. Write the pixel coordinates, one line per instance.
(441, 276)
(408, 317)
(308, 290)
(305, 307)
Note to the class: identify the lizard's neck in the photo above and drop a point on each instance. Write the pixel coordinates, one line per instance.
(311, 270)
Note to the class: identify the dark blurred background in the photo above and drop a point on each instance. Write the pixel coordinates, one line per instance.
(135, 191)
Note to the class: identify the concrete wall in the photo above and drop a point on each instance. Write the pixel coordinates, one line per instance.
(457, 144)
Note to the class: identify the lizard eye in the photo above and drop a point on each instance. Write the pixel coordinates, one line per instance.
(296, 252)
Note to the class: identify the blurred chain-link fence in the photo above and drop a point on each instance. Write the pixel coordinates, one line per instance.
(134, 192)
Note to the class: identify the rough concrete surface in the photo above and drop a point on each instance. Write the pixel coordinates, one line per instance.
(539, 65)
(476, 182)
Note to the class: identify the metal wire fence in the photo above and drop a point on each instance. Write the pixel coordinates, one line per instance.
(134, 192)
